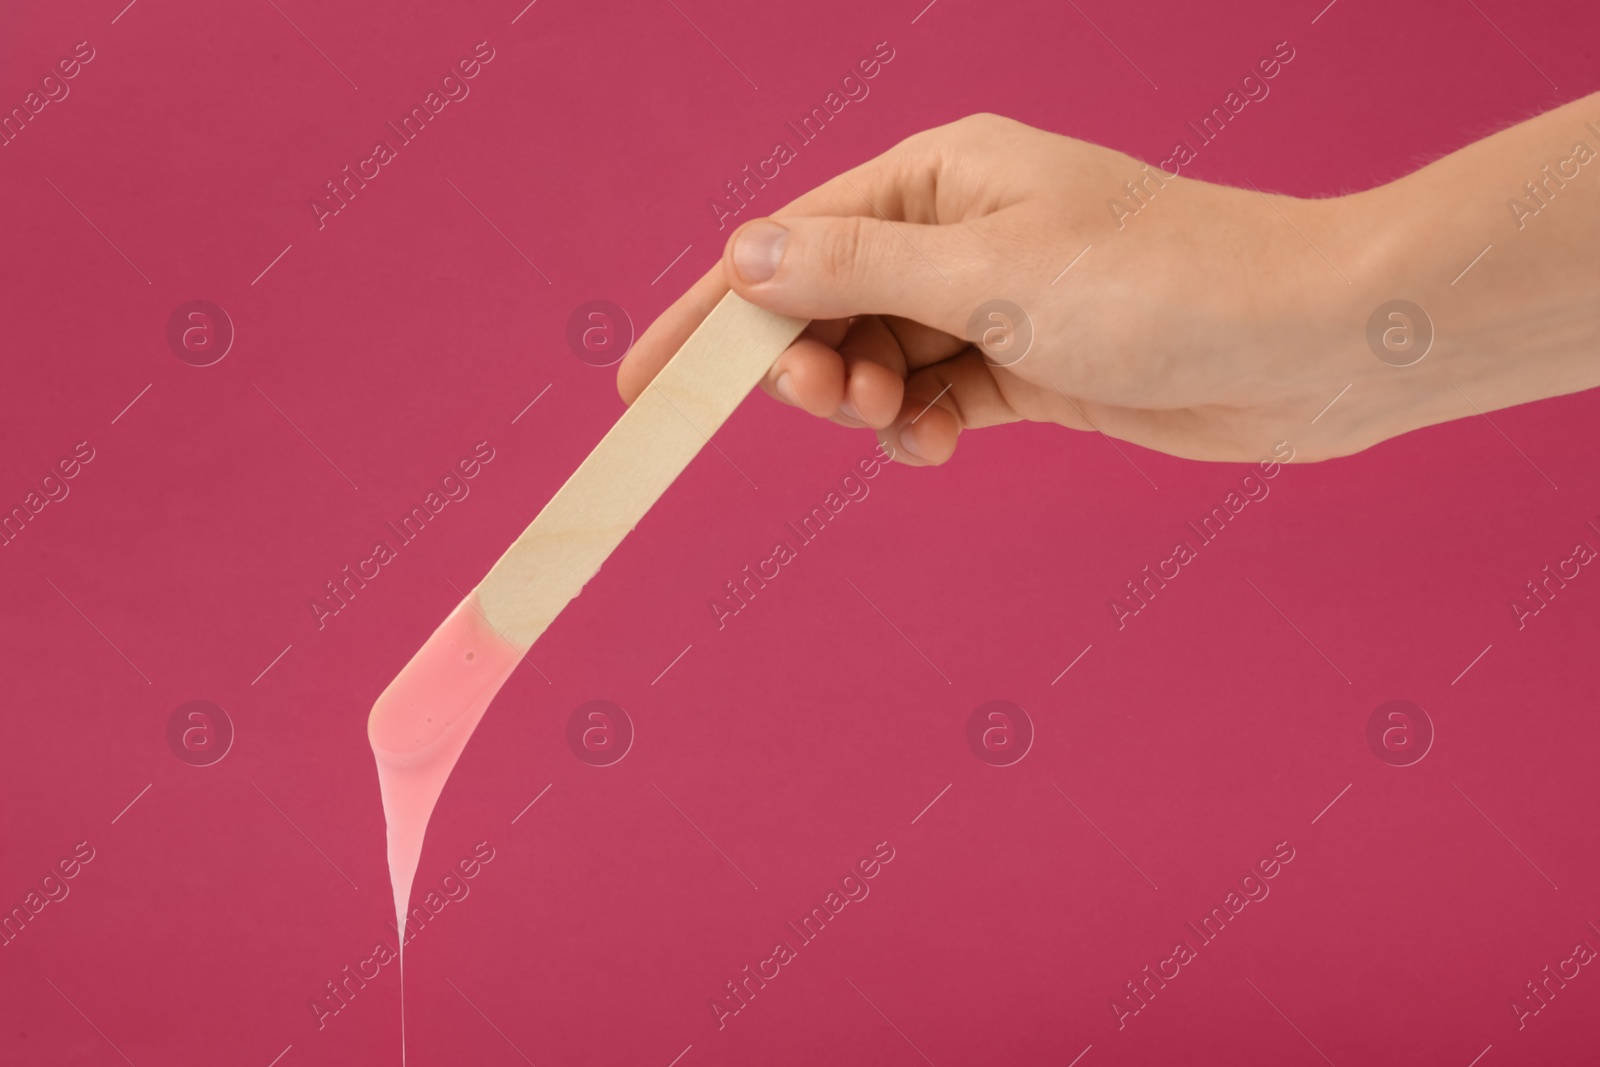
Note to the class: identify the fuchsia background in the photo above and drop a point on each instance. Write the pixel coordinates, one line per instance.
(808, 729)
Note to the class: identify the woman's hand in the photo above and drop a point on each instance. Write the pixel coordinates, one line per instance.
(985, 272)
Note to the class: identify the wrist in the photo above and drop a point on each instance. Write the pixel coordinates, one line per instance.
(1389, 318)
(1336, 262)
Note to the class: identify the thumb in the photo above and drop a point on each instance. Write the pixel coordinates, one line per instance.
(813, 267)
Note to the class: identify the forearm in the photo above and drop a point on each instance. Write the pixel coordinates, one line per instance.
(1499, 243)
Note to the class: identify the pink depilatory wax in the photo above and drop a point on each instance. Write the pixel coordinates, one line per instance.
(420, 725)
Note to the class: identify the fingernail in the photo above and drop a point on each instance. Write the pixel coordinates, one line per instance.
(758, 251)
(785, 387)
(849, 410)
(908, 441)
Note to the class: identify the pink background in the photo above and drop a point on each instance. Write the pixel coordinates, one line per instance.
(808, 729)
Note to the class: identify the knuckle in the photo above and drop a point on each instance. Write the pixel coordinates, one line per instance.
(840, 248)
(981, 123)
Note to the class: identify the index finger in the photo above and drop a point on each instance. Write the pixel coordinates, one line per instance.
(666, 335)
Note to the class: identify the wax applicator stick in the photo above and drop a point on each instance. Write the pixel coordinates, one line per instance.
(422, 721)
(631, 467)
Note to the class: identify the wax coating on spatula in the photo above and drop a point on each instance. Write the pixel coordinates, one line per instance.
(418, 729)
(421, 723)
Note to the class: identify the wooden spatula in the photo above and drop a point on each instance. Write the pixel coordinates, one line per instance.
(422, 721)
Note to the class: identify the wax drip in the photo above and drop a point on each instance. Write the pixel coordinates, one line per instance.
(418, 729)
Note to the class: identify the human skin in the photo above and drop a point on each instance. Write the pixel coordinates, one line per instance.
(1211, 324)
